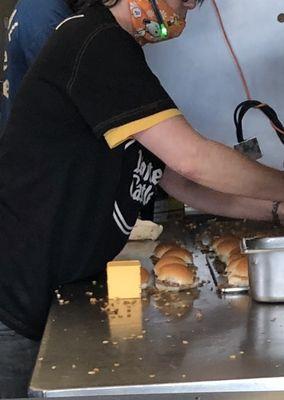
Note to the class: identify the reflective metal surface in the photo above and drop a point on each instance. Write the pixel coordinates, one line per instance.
(194, 343)
(266, 268)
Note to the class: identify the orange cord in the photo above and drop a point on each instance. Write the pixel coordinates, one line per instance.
(236, 61)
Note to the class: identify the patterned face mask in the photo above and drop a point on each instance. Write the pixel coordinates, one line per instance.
(147, 29)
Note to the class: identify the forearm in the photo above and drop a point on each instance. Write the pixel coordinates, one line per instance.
(209, 163)
(228, 171)
(217, 203)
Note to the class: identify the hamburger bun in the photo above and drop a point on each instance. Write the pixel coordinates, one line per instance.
(167, 260)
(233, 257)
(180, 252)
(176, 277)
(162, 248)
(146, 278)
(221, 239)
(238, 267)
(235, 280)
(226, 248)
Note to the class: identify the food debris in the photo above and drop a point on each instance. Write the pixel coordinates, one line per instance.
(116, 365)
(93, 300)
(140, 358)
(233, 357)
(105, 341)
(40, 358)
(199, 315)
(53, 367)
(89, 294)
(242, 352)
(94, 283)
(114, 343)
(183, 375)
(169, 336)
(74, 366)
(139, 337)
(152, 376)
(185, 342)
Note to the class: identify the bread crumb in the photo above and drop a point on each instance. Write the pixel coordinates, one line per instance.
(53, 367)
(152, 376)
(116, 365)
(40, 358)
(89, 294)
(105, 341)
(115, 343)
(93, 300)
(233, 356)
(185, 342)
(73, 366)
(183, 375)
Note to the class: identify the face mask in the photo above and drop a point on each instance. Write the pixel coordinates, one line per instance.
(147, 28)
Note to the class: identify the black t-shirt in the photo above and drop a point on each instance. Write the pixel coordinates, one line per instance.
(72, 178)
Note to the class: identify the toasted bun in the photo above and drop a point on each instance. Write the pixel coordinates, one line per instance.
(176, 277)
(146, 278)
(162, 248)
(221, 239)
(167, 260)
(179, 252)
(238, 267)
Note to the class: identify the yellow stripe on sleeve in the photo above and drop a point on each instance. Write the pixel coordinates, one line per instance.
(118, 135)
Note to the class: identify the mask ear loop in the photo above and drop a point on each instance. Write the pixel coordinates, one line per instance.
(162, 25)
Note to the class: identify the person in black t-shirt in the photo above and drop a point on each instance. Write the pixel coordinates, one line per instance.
(91, 134)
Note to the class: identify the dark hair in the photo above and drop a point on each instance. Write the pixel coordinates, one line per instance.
(80, 5)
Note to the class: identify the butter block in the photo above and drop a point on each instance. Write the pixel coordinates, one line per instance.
(124, 279)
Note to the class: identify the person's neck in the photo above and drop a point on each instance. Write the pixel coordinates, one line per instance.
(121, 13)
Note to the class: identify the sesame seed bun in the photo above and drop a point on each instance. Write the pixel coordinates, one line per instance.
(179, 252)
(176, 277)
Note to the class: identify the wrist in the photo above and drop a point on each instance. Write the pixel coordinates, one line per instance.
(281, 213)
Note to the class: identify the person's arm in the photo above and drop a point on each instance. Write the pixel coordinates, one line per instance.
(212, 202)
(209, 163)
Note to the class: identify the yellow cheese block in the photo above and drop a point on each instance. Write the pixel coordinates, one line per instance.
(124, 279)
(125, 318)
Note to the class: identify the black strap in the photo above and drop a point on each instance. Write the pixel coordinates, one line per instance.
(243, 107)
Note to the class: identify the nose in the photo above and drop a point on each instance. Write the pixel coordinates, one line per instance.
(190, 4)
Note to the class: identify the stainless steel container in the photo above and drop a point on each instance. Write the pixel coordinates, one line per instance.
(266, 268)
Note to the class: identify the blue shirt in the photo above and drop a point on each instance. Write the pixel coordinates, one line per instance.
(30, 25)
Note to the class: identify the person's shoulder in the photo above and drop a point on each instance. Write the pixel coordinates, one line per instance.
(41, 12)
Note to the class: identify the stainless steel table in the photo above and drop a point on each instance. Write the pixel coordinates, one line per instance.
(195, 343)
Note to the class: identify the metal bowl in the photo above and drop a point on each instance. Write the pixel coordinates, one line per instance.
(266, 268)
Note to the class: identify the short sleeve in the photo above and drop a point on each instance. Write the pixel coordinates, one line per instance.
(114, 89)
